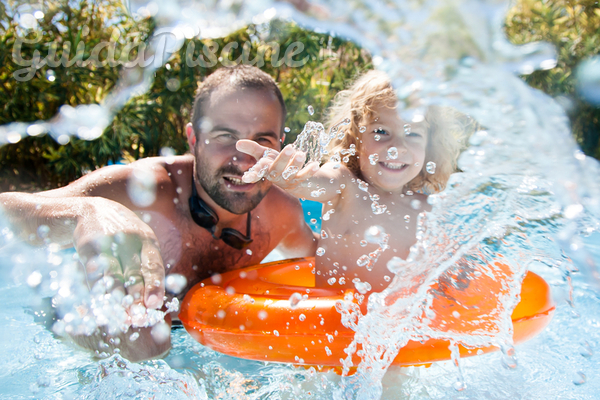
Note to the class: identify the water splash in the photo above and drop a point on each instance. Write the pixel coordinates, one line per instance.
(526, 193)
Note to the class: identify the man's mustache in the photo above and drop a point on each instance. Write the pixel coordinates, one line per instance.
(230, 170)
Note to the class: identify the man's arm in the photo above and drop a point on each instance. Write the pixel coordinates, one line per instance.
(103, 232)
(110, 240)
(300, 241)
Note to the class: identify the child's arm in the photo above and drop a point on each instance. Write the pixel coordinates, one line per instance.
(285, 170)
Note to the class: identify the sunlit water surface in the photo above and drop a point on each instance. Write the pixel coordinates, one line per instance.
(527, 197)
(561, 362)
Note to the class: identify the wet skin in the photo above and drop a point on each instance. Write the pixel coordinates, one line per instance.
(143, 243)
(347, 209)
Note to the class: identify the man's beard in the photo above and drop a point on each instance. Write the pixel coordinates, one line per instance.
(234, 202)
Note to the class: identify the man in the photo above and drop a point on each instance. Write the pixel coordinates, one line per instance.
(190, 215)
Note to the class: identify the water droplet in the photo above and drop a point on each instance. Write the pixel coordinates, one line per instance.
(396, 264)
(275, 332)
(374, 234)
(326, 216)
(407, 218)
(430, 167)
(363, 260)
(134, 336)
(573, 210)
(320, 251)
(331, 281)
(509, 359)
(407, 128)
(409, 193)
(342, 281)
(460, 385)
(362, 287)
(43, 381)
(377, 209)
(161, 332)
(289, 171)
(324, 234)
(373, 158)
(249, 252)
(43, 231)
(386, 278)
(318, 193)
(173, 84)
(585, 349)
(311, 110)
(34, 279)
(579, 378)
(362, 129)
(13, 137)
(221, 314)
(588, 80)
(377, 138)
(363, 243)
(287, 129)
(175, 283)
(302, 317)
(364, 186)
(415, 204)
(50, 75)
(328, 351)
(262, 315)
(141, 188)
(392, 153)
(295, 298)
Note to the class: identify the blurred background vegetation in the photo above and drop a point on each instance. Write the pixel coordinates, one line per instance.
(574, 28)
(155, 120)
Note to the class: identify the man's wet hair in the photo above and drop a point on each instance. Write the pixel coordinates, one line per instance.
(229, 79)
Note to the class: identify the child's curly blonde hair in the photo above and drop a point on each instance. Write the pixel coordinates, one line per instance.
(374, 89)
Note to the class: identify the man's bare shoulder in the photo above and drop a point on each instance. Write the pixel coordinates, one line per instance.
(120, 182)
(170, 171)
(281, 203)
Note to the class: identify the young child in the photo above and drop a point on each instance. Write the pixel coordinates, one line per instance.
(373, 184)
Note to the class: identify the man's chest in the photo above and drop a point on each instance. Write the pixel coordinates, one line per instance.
(191, 251)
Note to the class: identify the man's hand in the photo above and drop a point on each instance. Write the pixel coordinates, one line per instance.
(113, 242)
(285, 169)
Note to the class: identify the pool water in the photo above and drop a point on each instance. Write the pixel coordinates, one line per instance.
(526, 192)
(561, 362)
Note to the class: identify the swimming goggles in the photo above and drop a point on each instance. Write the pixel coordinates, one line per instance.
(207, 218)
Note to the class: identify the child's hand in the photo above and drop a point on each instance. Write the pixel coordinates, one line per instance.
(284, 169)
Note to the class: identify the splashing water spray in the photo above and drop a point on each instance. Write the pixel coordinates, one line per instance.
(517, 175)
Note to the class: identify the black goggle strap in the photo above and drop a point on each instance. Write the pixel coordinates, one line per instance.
(248, 224)
(198, 206)
(201, 211)
(246, 239)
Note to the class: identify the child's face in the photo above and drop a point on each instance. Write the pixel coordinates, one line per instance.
(381, 165)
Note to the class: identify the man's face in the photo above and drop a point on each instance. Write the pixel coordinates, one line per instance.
(242, 114)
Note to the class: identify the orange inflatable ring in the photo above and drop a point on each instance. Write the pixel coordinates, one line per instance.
(248, 314)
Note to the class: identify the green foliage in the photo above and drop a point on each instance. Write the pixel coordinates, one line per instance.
(40, 162)
(574, 28)
(155, 120)
(158, 118)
